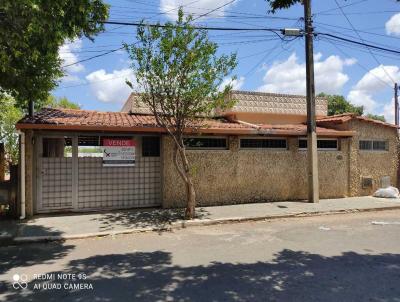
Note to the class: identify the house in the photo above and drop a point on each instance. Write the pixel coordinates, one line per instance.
(82, 160)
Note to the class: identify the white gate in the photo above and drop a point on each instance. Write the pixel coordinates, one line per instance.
(77, 179)
(54, 169)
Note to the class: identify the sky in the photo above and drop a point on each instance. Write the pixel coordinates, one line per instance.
(265, 62)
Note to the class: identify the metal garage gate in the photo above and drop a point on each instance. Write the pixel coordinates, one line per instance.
(72, 175)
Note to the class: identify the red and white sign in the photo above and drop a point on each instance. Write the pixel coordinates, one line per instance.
(123, 142)
(118, 152)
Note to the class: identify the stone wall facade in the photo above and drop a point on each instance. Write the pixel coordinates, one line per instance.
(243, 176)
(372, 164)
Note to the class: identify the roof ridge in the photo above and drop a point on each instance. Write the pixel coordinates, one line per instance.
(246, 92)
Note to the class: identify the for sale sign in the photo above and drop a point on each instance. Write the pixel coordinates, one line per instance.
(118, 152)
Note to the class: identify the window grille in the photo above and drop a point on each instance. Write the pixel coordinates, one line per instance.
(150, 146)
(322, 144)
(57, 147)
(205, 143)
(270, 143)
(373, 145)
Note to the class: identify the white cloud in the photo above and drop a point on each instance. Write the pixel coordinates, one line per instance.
(393, 25)
(170, 7)
(372, 83)
(111, 87)
(67, 55)
(236, 84)
(72, 79)
(290, 76)
(362, 98)
(388, 111)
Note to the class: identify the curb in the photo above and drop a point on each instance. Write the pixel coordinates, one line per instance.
(184, 224)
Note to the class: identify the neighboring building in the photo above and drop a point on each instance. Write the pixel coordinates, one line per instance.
(255, 152)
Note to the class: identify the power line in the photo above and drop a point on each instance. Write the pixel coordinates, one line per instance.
(91, 58)
(356, 48)
(358, 63)
(194, 27)
(363, 13)
(213, 10)
(360, 43)
(359, 35)
(359, 30)
(339, 7)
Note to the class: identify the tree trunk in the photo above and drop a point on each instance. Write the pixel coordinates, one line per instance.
(187, 178)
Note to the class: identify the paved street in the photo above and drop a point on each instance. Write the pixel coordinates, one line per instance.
(352, 257)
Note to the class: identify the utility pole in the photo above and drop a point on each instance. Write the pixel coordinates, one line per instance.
(312, 154)
(31, 108)
(396, 104)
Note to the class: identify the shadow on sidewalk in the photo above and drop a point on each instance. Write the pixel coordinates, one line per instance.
(159, 219)
(291, 276)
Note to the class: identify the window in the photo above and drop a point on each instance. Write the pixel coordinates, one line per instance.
(322, 144)
(205, 143)
(89, 146)
(57, 147)
(373, 145)
(263, 143)
(150, 146)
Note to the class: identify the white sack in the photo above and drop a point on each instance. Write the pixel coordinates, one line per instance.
(389, 192)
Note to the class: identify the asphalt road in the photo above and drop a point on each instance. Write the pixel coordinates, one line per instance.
(328, 258)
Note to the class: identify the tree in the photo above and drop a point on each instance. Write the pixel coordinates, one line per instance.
(31, 32)
(62, 102)
(179, 73)
(281, 4)
(337, 104)
(9, 116)
(376, 117)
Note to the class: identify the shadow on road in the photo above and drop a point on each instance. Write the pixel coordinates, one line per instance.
(291, 276)
(33, 254)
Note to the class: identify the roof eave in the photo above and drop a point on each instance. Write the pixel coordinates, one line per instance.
(152, 129)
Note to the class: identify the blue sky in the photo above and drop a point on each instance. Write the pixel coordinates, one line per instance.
(265, 62)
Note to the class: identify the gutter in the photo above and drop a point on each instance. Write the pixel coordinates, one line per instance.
(22, 173)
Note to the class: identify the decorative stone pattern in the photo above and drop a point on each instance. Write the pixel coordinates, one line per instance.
(246, 101)
(243, 176)
(134, 105)
(260, 102)
(375, 164)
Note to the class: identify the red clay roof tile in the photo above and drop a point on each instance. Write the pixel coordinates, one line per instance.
(345, 117)
(71, 119)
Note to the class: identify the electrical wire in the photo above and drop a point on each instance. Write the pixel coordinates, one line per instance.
(361, 38)
(213, 10)
(339, 7)
(358, 63)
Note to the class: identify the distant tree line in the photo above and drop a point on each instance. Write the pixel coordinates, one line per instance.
(337, 104)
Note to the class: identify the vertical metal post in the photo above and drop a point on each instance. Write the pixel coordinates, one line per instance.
(31, 108)
(312, 158)
(2, 162)
(396, 104)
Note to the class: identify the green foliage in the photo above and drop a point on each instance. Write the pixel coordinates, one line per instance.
(9, 116)
(337, 104)
(177, 69)
(281, 4)
(62, 102)
(31, 32)
(179, 74)
(376, 117)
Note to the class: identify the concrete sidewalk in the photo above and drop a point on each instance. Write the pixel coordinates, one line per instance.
(75, 226)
